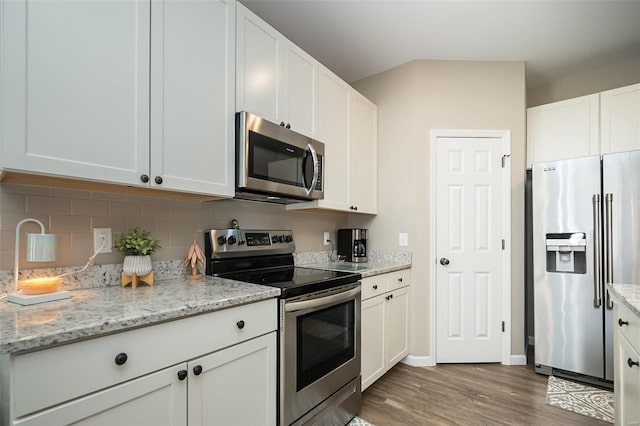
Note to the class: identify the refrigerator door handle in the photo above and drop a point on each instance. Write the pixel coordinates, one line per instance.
(608, 218)
(597, 275)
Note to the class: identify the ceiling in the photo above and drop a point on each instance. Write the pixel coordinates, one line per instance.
(359, 38)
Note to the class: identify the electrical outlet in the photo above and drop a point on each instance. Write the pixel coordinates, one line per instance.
(326, 239)
(403, 239)
(100, 235)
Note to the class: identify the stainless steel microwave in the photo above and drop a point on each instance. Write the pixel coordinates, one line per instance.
(276, 164)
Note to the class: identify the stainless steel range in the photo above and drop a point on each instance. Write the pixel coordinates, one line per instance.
(319, 328)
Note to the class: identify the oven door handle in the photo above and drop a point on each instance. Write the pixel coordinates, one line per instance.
(321, 301)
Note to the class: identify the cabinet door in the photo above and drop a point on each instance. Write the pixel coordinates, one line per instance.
(192, 96)
(75, 82)
(333, 131)
(397, 326)
(620, 119)
(373, 340)
(626, 382)
(237, 385)
(300, 89)
(562, 130)
(156, 399)
(259, 66)
(363, 150)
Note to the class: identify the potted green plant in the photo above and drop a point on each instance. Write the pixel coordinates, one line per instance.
(136, 245)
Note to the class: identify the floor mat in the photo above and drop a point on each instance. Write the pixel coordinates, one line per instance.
(581, 399)
(357, 421)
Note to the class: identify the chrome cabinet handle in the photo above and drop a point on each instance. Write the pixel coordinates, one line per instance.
(444, 261)
(609, 260)
(597, 253)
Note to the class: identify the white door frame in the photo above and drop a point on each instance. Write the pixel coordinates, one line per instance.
(505, 135)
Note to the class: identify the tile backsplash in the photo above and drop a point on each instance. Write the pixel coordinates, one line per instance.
(72, 214)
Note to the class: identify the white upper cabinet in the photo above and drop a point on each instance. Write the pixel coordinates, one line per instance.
(561, 130)
(193, 96)
(363, 154)
(275, 79)
(75, 82)
(300, 90)
(101, 91)
(601, 123)
(333, 131)
(620, 119)
(259, 66)
(347, 125)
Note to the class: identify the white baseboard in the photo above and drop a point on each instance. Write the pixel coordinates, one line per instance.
(418, 361)
(427, 361)
(518, 360)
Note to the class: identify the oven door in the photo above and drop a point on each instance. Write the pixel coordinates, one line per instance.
(320, 348)
(276, 160)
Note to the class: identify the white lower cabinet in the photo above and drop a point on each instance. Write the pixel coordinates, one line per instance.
(237, 385)
(385, 323)
(157, 399)
(626, 380)
(212, 369)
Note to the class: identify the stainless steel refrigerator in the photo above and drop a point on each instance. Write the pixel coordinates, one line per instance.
(586, 233)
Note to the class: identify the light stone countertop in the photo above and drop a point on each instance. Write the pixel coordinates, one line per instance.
(96, 311)
(627, 294)
(366, 269)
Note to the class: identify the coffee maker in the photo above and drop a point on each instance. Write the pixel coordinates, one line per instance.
(352, 244)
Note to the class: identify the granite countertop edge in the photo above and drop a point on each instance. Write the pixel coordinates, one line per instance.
(628, 295)
(100, 311)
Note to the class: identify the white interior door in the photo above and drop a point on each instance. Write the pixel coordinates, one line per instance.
(469, 232)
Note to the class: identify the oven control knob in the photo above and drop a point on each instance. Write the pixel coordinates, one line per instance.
(281, 239)
(274, 239)
(288, 238)
(231, 240)
(222, 240)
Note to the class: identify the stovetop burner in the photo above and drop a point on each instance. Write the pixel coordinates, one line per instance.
(295, 281)
(265, 257)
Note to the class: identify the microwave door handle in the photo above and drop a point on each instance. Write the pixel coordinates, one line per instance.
(314, 181)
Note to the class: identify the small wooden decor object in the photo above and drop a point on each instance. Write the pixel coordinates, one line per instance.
(134, 279)
(192, 259)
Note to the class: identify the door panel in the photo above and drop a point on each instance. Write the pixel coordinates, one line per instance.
(470, 257)
(621, 179)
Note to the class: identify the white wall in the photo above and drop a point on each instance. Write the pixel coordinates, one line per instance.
(412, 100)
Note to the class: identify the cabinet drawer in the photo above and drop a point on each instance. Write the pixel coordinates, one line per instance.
(631, 330)
(45, 378)
(398, 279)
(373, 286)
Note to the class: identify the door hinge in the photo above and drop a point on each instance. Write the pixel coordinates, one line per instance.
(503, 244)
(503, 326)
(504, 158)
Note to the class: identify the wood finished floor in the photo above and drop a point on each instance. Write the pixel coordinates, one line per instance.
(464, 394)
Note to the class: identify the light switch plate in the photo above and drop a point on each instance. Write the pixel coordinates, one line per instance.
(403, 239)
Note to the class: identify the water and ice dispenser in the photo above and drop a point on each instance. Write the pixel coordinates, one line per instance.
(566, 252)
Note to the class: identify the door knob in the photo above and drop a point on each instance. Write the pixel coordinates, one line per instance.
(444, 261)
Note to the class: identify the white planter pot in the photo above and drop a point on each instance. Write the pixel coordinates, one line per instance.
(139, 265)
